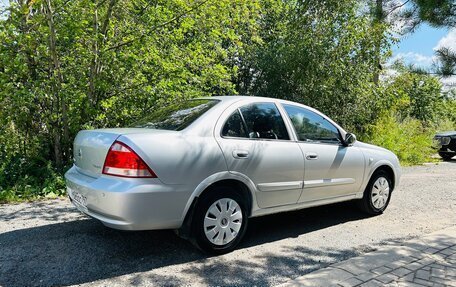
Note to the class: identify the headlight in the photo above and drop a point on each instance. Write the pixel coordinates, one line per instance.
(445, 140)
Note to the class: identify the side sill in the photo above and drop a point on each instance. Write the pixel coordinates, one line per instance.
(302, 205)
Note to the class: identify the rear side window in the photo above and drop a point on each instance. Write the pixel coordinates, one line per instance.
(311, 126)
(234, 127)
(177, 116)
(263, 121)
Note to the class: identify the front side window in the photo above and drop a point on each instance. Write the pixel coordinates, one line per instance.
(263, 121)
(177, 116)
(311, 126)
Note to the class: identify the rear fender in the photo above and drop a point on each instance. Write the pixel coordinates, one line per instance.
(224, 175)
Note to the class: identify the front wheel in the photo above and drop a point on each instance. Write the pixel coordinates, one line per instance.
(377, 194)
(446, 157)
(220, 221)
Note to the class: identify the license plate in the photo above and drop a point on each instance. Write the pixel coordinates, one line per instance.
(79, 200)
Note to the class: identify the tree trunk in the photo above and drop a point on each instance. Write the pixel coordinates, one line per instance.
(378, 19)
(94, 63)
(95, 67)
(56, 86)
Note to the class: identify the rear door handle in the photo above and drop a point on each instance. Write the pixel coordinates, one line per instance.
(240, 154)
(311, 156)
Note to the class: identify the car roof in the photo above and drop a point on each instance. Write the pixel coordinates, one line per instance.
(235, 98)
(447, 133)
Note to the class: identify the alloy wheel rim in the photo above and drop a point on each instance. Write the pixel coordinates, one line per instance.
(380, 192)
(222, 221)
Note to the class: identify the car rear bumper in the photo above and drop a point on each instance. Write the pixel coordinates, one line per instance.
(127, 203)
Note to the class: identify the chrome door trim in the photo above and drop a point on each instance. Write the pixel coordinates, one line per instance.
(327, 182)
(276, 186)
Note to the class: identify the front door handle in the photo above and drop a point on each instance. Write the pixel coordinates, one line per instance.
(311, 156)
(240, 154)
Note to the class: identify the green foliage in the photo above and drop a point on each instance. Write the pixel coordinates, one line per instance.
(412, 109)
(407, 138)
(414, 95)
(448, 109)
(437, 13)
(22, 179)
(326, 63)
(440, 14)
(72, 65)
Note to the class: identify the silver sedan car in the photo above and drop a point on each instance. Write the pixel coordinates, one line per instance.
(205, 166)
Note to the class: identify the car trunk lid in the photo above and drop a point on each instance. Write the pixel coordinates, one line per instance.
(90, 148)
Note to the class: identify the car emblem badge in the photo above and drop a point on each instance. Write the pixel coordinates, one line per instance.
(80, 153)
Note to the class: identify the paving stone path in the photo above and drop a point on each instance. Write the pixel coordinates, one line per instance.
(426, 261)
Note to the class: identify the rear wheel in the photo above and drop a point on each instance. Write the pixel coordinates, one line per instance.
(220, 221)
(377, 194)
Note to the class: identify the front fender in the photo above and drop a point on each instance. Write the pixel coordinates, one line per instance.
(373, 167)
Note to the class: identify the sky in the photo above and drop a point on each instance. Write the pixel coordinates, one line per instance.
(418, 47)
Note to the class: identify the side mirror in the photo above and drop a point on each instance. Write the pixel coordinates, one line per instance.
(349, 139)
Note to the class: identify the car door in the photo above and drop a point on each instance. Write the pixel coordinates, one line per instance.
(331, 168)
(256, 143)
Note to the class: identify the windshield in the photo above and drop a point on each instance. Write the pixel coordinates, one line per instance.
(176, 117)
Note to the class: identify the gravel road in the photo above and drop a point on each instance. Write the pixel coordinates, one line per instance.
(50, 243)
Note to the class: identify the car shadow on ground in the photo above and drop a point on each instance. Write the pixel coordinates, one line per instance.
(81, 251)
(453, 160)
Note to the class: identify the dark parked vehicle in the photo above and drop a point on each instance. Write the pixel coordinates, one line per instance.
(446, 143)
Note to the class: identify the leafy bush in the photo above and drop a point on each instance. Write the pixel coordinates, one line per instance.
(25, 179)
(414, 95)
(146, 56)
(408, 138)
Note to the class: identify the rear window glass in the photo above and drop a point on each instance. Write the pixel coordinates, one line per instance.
(234, 126)
(177, 116)
(263, 121)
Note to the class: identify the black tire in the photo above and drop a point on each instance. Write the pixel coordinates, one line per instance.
(366, 204)
(446, 157)
(199, 238)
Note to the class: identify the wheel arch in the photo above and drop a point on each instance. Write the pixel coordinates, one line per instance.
(240, 183)
(386, 165)
(236, 185)
(389, 170)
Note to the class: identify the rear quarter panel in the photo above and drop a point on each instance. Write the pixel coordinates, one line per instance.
(178, 158)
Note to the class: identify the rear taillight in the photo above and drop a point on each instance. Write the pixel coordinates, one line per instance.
(121, 160)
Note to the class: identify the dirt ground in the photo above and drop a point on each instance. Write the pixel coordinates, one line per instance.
(50, 243)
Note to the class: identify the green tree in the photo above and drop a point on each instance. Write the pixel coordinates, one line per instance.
(322, 54)
(440, 13)
(412, 95)
(69, 65)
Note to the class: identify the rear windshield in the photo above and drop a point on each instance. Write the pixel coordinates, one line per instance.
(177, 116)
